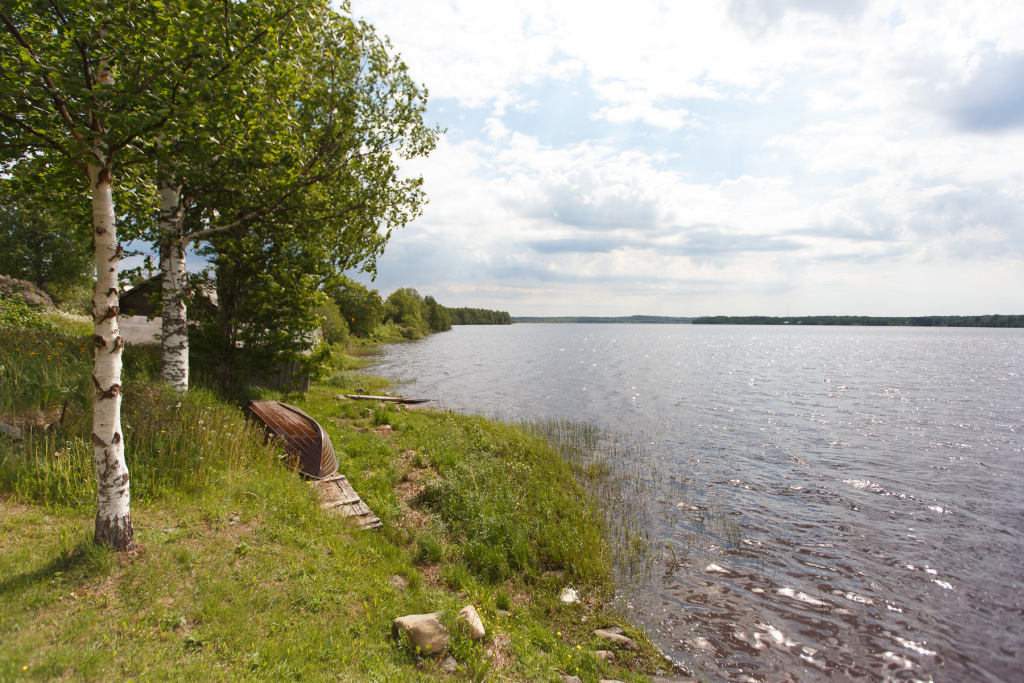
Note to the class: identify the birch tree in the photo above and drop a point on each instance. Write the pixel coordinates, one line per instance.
(307, 146)
(96, 81)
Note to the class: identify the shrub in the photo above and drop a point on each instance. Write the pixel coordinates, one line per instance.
(13, 290)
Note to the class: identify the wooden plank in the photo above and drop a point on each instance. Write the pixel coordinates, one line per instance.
(338, 496)
(384, 399)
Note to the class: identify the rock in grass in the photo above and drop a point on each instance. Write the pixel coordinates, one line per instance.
(449, 665)
(604, 655)
(616, 639)
(11, 431)
(569, 596)
(566, 678)
(426, 633)
(470, 620)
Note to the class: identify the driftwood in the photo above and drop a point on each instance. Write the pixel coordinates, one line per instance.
(383, 399)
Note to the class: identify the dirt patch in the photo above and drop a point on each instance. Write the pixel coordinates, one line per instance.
(500, 651)
(404, 460)
(9, 508)
(236, 528)
(431, 575)
(32, 420)
(410, 487)
(384, 431)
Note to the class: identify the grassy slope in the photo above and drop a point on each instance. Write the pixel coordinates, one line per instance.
(239, 575)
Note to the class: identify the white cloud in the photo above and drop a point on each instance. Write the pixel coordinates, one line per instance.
(736, 154)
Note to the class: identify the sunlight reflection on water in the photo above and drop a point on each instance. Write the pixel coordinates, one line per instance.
(832, 502)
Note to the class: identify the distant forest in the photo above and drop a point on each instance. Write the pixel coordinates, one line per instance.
(478, 316)
(634, 319)
(917, 321)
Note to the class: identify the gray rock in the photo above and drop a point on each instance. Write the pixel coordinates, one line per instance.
(449, 665)
(470, 620)
(566, 678)
(616, 639)
(426, 633)
(11, 431)
(605, 655)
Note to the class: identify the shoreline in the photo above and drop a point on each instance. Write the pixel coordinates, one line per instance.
(237, 565)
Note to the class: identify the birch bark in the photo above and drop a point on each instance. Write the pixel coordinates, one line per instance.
(174, 327)
(113, 515)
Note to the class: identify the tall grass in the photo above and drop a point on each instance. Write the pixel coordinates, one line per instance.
(174, 443)
(40, 369)
(612, 470)
(508, 500)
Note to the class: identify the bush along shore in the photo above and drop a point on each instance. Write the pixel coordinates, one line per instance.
(238, 574)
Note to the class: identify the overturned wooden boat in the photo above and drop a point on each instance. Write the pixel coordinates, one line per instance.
(338, 497)
(385, 399)
(304, 439)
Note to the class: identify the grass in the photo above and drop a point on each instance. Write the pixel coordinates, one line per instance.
(239, 575)
(619, 478)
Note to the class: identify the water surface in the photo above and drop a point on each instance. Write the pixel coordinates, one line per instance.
(830, 502)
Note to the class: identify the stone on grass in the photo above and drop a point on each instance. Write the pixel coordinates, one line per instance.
(11, 431)
(449, 665)
(566, 678)
(426, 633)
(569, 596)
(470, 620)
(604, 655)
(617, 639)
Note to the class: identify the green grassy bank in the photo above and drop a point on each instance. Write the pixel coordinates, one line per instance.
(239, 575)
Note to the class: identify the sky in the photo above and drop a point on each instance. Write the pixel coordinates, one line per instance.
(734, 157)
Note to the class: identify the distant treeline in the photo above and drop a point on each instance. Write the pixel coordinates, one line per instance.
(478, 316)
(916, 321)
(406, 314)
(634, 319)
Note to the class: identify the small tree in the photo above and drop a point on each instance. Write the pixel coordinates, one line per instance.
(361, 307)
(265, 318)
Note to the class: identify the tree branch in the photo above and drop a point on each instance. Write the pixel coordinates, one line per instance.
(54, 92)
(42, 136)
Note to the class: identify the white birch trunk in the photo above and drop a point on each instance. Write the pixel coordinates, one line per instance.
(174, 328)
(113, 514)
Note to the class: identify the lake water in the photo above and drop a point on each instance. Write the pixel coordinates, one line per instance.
(826, 502)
